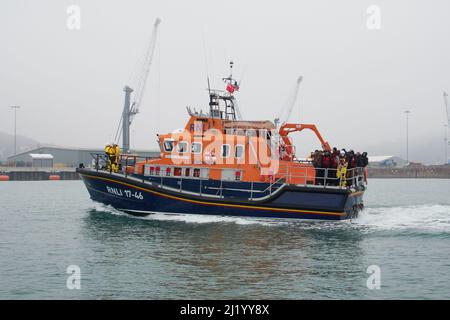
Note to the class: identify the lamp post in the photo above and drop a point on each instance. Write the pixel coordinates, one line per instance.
(15, 127)
(407, 112)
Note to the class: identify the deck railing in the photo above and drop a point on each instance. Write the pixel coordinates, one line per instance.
(324, 178)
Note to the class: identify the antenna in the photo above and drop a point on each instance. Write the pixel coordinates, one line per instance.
(209, 86)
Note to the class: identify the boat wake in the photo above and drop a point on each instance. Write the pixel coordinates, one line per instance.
(430, 218)
(193, 218)
(422, 218)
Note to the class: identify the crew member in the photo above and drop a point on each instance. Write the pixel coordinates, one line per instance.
(116, 157)
(110, 157)
(342, 170)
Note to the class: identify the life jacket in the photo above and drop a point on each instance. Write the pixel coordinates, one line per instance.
(334, 161)
(326, 161)
(352, 162)
(341, 173)
(109, 150)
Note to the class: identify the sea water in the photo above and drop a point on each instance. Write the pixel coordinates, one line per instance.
(55, 243)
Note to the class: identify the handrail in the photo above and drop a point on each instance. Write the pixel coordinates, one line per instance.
(354, 177)
(326, 177)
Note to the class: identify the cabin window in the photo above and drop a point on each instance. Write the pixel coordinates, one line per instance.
(196, 173)
(239, 151)
(177, 172)
(237, 176)
(168, 172)
(152, 171)
(187, 172)
(225, 150)
(196, 147)
(168, 145)
(182, 147)
(157, 171)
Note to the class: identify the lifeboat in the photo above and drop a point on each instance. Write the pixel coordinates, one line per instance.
(219, 164)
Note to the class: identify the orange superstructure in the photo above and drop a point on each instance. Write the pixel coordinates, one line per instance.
(232, 150)
(218, 146)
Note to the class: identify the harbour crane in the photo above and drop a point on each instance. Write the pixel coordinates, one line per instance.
(285, 112)
(130, 109)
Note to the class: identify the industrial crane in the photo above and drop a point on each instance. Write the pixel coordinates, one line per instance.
(282, 117)
(131, 109)
(286, 111)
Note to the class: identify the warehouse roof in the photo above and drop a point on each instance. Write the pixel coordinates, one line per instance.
(36, 150)
(379, 158)
(41, 156)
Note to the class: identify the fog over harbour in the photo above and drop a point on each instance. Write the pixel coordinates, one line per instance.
(357, 81)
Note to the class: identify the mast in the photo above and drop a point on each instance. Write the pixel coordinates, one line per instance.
(228, 111)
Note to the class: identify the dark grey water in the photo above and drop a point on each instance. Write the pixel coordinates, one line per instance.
(47, 226)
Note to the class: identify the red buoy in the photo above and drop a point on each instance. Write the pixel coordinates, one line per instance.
(54, 177)
(4, 178)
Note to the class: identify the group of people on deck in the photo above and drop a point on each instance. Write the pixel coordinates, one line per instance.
(339, 167)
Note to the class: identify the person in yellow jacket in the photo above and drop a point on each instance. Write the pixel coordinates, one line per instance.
(110, 157)
(341, 172)
(116, 157)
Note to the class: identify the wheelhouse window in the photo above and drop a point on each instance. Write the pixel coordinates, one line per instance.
(182, 147)
(168, 145)
(196, 173)
(225, 151)
(196, 147)
(187, 172)
(239, 151)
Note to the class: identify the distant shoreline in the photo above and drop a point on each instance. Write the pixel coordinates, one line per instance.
(420, 172)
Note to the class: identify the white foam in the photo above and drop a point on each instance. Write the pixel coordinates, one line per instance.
(107, 209)
(428, 218)
(200, 219)
(192, 218)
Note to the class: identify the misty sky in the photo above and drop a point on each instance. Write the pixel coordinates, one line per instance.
(357, 82)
